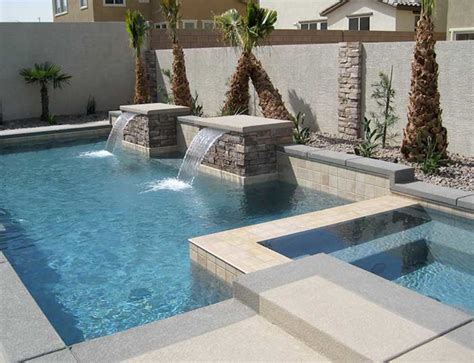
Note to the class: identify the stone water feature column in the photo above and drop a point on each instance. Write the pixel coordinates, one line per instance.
(350, 89)
(246, 153)
(153, 131)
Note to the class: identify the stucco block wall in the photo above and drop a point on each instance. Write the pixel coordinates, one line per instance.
(456, 85)
(97, 55)
(305, 75)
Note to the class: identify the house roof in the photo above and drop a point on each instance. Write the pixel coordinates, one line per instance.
(399, 4)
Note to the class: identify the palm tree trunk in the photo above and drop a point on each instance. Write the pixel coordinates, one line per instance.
(270, 99)
(424, 112)
(179, 83)
(44, 102)
(141, 93)
(238, 97)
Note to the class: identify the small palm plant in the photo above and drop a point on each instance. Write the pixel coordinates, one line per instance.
(179, 82)
(424, 112)
(45, 74)
(137, 27)
(248, 33)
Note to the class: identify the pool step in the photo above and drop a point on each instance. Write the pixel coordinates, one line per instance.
(343, 312)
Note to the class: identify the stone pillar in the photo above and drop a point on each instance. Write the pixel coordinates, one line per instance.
(350, 89)
(153, 131)
(150, 68)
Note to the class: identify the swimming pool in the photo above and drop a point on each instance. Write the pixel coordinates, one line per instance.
(422, 249)
(101, 241)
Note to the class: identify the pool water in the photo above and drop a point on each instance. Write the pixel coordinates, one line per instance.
(100, 241)
(421, 249)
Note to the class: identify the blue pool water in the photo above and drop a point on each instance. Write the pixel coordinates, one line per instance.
(421, 249)
(101, 241)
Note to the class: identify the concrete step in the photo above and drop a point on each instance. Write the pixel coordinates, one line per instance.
(228, 331)
(343, 312)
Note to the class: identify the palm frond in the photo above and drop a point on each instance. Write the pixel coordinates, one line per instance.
(231, 25)
(172, 12)
(428, 7)
(44, 73)
(136, 26)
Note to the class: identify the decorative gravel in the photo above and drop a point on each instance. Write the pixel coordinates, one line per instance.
(458, 173)
(60, 120)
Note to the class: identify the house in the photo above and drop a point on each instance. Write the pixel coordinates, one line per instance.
(195, 14)
(460, 20)
(384, 15)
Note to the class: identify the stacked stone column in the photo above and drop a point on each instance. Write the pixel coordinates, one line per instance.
(350, 89)
(150, 67)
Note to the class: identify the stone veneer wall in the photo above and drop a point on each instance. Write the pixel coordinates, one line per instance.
(332, 179)
(152, 131)
(350, 89)
(248, 154)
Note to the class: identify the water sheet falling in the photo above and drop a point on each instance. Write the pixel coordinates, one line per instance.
(116, 134)
(200, 145)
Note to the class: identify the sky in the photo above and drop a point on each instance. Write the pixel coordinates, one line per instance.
(26, 10)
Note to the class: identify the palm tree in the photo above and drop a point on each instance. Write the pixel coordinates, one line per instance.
(137, 28)
(247, 33)
(44, 74)
(179, 81)
(424, 126)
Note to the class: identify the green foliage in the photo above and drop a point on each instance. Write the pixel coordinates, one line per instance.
(301, 134)
(171, 11)
(164, 96)
(91, 106)
(45, 74)
(433, 159)
(52, 120)
(247, 32)
(137, 27)
(196, 106)
(428, 7)
(386, 118)
(371, 136)
(227, 112)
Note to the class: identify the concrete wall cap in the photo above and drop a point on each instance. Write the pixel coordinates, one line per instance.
(149, 109)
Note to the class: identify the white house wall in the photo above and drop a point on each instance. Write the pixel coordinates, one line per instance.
(383, 16)
(290, 12)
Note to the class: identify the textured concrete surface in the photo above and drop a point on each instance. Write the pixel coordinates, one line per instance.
(396, 172)
(24, 330)
(238, 123)
(149, 109)
(466, 202)
(296, 150)
(2, 256)
(332, 157)
(61, 356)
(432, 192)
(455, 346)
(32, 131)
(340, 323)
(252, 339)
(154, 336)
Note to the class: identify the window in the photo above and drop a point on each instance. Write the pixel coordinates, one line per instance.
(83, 4)
(162, 25)
(314, 25)
(359, 23)
(462, 34)
(417, 19)
(208, 24)
(60, 7)
(465, 36)
(114, 2)
(189, 24)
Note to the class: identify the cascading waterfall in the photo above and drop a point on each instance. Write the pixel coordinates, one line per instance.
(117, 130)
(200, 145)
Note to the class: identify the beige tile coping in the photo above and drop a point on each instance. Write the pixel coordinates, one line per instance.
(234, 252)
(149, 109)
(238, 123)
(149, 152)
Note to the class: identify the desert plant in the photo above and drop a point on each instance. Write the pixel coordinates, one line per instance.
(301, 134)
(137, 28)
(386, 118)
(91, 106)
(424, 112)
(247, 33)
(179, 82)
(164, 96)
(371, 136)
(433, 159)
(52, 120)
(45, 74)
(196, 107)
